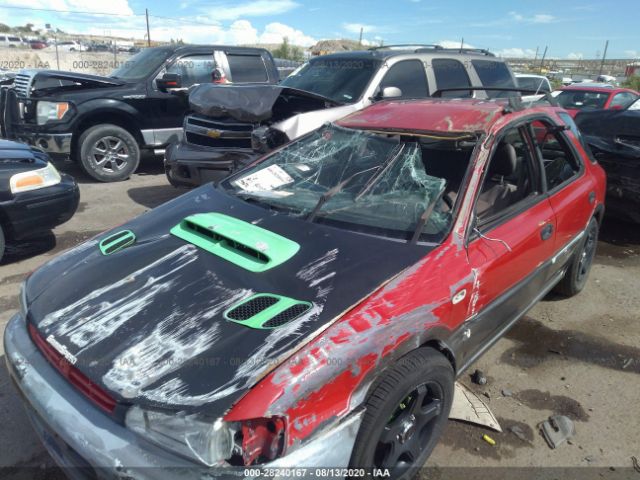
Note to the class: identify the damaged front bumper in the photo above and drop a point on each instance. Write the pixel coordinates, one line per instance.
(188, 165)
(87, 443)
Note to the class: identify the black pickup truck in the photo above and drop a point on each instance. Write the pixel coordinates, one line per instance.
(103, 123)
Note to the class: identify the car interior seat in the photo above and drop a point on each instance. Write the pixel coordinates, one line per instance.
(499, 191)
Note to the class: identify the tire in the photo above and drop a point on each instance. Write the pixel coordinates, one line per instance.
(122, 153)
(576, 276)
(395, 433)
(2, 242)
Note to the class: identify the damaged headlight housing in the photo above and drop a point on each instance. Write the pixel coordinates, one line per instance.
(209, 442)
(46, 111)
(34, 179)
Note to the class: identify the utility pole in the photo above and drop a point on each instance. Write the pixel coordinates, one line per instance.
(146, 12)
(604, 56)
(461, 44)
(544, 55)
(535, 57)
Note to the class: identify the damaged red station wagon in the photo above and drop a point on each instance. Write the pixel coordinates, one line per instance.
(314, 309)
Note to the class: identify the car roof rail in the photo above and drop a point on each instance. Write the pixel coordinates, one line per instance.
(479, 51)
(408, 46)
(514, 103)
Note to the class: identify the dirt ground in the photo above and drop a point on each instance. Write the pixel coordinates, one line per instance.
(578, 357)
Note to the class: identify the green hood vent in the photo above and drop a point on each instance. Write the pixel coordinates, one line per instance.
(117, 241)
(244, 244)
(266, 311)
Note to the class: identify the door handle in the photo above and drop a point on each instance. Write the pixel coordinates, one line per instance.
(546, 231)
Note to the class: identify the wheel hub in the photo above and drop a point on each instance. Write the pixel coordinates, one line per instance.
(408, 428)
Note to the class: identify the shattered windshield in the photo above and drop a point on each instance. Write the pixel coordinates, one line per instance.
(353, 179)
(341, 80)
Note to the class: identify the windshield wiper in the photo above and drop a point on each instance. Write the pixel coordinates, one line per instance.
(326, 196)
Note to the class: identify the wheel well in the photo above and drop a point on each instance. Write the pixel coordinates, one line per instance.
(121, 120)
(443, 349)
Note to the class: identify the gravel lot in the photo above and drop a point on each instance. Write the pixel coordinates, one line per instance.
(577, 357)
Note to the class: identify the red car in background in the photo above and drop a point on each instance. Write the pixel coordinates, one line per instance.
(576, 98)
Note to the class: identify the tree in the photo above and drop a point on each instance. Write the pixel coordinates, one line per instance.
(288, 52)
(4, 28)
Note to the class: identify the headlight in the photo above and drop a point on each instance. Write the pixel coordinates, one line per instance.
(46, 111)
(34, 179)
(210, 442)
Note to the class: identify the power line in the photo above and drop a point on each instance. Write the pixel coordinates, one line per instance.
(72, 11)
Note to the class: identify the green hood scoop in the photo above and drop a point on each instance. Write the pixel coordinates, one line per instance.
(116, 242)
(244, 244)
(266, 311)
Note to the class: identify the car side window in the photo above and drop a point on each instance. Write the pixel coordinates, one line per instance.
(622, 100)
(559, 161)
(194, 69)
(494, 74)
(247, 68)
(451, 73)
(510, 178)
(409, 76)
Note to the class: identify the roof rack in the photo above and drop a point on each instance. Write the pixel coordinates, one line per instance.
(514, 103)
(479, 51)
(408, 46)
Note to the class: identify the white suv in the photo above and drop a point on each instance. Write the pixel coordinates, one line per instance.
(11, 41)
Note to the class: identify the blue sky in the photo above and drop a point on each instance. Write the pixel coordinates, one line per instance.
(570, 28)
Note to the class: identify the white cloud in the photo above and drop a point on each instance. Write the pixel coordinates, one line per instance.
(355, 27)
(536, 18)
(275, 32)
(257, 8)
(516, 53)
(453, 44)
(632, 53)
(575, 56)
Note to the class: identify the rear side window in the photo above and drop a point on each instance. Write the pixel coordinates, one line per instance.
(451, 73)
(568, 119)
(409, 76)
(494, 74)
(622, 100)
(559, 161)
(247, 68)
(14, 39)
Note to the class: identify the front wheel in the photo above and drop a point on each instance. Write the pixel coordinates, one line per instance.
(405, 414)
(580, 265)
(108, 153)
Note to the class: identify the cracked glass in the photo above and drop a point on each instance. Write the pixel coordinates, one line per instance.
(370, 182)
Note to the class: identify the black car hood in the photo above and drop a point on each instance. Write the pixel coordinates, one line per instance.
(244, 103)
(147, 322)
(50, 81)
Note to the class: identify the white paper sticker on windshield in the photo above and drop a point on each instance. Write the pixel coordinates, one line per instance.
(266, 179)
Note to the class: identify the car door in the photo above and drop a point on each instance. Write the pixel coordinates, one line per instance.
(572, 195)
(168, 110)
(510, 243)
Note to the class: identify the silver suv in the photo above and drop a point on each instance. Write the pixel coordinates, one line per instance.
(324, 89)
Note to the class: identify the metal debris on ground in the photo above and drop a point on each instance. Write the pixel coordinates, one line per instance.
(506, 392)
(479, 378)
(518, 432)
(557, 430)
(468, 407)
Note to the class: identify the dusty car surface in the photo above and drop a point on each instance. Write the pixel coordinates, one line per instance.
(231, 126)
(34, 196)
(314, 309)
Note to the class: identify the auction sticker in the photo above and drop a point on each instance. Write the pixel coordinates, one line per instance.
(266, 179)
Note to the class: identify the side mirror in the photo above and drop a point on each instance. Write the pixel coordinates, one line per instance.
(169, 81)
(390, 92)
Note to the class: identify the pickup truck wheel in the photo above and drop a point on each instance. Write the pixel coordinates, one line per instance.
(108, 153)
(579, 266)
(405, 414)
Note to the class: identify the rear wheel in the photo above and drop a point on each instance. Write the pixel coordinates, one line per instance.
(405, 414)
(108, 153)
(580, 265)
